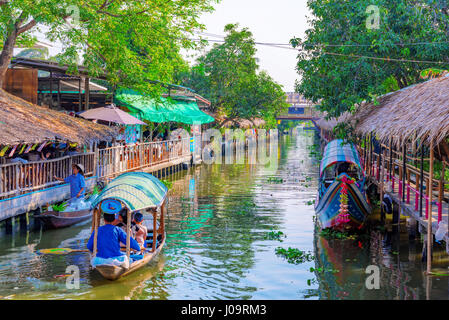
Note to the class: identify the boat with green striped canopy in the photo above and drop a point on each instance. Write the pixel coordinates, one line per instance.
(135, 191)
(341, 200)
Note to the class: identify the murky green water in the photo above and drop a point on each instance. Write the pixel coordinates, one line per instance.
(218, 220)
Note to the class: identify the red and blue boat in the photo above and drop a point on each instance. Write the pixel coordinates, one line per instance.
(341, 200)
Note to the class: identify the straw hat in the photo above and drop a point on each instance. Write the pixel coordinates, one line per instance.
(81, 167)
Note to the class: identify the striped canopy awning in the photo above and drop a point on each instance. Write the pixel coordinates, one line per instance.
(339, 151)
(136, 190)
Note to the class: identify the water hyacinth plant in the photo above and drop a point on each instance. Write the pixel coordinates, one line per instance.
(294, 256)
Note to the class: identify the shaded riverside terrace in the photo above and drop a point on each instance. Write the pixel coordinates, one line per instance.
(38, 107)
(403, 143)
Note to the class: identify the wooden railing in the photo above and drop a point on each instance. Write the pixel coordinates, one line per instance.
(406, 178)
(19, 178)
(120, 159)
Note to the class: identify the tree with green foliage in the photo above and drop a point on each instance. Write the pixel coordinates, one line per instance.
(131, 41)
(228, 76)
(350, 54)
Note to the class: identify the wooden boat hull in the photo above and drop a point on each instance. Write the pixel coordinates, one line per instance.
(114, 272)
(64, 219)
(328, 207)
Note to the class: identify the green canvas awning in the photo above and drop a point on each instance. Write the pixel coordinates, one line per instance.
(146, 108)
(136, 190)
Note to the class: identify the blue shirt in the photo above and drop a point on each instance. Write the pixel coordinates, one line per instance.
(76, 184)
(108, 241)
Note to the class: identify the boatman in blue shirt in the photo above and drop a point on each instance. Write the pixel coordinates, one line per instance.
(109, 239)
(77, 182)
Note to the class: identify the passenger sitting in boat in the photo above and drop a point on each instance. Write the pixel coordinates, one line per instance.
(77, 182)
(139, 229)
(122, 219)
(109, 239)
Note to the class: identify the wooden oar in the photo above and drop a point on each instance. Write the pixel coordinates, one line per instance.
(60, 251)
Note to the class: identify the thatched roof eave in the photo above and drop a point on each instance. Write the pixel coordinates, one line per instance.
(24, 122)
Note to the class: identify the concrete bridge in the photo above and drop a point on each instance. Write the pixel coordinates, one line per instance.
(300, 113)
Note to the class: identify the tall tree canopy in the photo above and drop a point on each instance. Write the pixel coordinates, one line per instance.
(334, 62)
(228, 76)
(131, 41)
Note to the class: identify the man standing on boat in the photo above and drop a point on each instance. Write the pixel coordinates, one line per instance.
(109, 239)
(77, 182)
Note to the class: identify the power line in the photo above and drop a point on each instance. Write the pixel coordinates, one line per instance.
(383, 59)
(340, 54)
(339, 45)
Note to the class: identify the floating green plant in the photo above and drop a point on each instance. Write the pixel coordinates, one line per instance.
(324, 270)
(310, 202)
(275, 180)
(273, 235)
(294, 256)
(335, 234)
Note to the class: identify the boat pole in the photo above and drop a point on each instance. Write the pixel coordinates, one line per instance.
(154, 229)
(429, 219)
(128, 234)
(162, 219)
(95, 227)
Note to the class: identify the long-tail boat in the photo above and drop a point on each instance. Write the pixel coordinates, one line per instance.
(341, 199)
(56, 220)
(135, 191)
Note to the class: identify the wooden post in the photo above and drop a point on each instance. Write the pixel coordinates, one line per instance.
(128, 234)
(382, 174)
(163, 219)
(391, 167)
(80, 98)
(421, 186)
(86, 93)
(441, 192)
(404, 169)
(154, 229)
(371, 157)
(95, 227)
(51, 89)
(429, 220)
(365, 149)
(59, 93)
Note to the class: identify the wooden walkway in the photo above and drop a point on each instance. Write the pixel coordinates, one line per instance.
(158, 158)
(407, 197)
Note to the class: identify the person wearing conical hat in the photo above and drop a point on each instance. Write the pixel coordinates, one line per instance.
(77, 182)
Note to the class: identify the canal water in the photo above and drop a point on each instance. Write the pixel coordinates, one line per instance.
(225, 225)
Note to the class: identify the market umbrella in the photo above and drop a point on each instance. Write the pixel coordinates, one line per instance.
(111, 114)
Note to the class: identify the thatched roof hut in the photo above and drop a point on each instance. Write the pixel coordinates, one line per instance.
(24, 122)
(419, 111)
(329, 124)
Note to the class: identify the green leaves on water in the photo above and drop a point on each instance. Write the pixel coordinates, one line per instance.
(324, 270)
(275, 236)
(294, 256)
(330, 234)
(275, 180)
(310, 202)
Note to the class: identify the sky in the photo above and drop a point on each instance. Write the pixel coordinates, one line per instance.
(269, 21)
